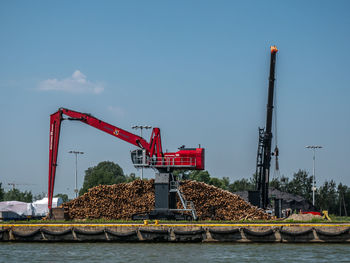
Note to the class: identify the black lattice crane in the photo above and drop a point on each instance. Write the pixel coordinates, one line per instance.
(265, 138)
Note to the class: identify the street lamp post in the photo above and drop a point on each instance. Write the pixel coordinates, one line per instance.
(313, 147)
(141, 127)
(76, 171)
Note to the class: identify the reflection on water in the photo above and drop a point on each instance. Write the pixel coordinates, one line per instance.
(170, 252)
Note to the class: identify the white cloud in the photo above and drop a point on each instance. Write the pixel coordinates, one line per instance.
(77, 83)
(117, 111)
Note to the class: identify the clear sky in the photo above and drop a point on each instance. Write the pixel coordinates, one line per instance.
(196, 69)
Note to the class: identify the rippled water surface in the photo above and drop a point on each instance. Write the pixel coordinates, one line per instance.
(170, 252)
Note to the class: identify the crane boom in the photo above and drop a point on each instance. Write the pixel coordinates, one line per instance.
(150, 155)
(265, 138)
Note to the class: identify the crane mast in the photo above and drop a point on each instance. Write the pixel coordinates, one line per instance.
(265, 138)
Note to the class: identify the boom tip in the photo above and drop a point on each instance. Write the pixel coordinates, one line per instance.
(273, 49)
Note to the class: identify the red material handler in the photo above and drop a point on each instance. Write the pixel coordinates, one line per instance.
(183, 159)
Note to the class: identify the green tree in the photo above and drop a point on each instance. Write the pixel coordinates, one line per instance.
(132, 177)
(16, 195)
(203, 176)
(38, 196)
(326, 197)
(105, 173)
(343, 203)
(301, 184)
(241, 185)
(64, 197)
(2, 193)
(217, 182)
(280, 183)
(254, 180)
(225, 182)
(199, 176)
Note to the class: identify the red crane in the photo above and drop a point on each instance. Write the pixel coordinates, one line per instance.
(149, 154)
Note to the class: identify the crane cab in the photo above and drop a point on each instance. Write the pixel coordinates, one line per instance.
(139, 157)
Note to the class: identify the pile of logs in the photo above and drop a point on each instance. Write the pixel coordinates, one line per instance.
(213, 203)
(121, 201)
(118, 201)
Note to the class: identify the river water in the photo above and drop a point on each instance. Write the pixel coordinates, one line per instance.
(170, 252)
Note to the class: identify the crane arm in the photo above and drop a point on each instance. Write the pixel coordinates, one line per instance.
(106, 127)
(154, 148)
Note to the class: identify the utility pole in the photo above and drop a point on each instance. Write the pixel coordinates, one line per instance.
(76, 171)
(141, 127)
(313, 147)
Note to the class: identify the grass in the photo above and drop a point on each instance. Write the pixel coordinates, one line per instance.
(340, 218)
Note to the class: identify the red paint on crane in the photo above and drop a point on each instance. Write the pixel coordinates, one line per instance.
(190, 159)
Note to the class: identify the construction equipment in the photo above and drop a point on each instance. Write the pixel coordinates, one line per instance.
(265, 138)
(325, 215)
(149, 155)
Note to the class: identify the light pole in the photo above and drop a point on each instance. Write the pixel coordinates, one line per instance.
(141, 127)
(76, 171)
(313, 147)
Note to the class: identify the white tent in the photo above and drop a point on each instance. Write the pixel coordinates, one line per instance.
(20, 208)
(40, 206)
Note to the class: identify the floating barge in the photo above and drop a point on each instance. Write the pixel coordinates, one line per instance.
(159, 232)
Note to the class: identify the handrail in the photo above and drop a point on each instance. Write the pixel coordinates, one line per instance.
(165, 161)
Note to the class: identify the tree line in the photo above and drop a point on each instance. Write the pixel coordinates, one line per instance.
(329, 196)
(15, 195)
(24, 196)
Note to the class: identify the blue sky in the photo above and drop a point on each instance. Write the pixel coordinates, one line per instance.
(196, 69)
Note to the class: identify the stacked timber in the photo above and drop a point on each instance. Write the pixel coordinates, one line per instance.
(121, 201)
(213, 203)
